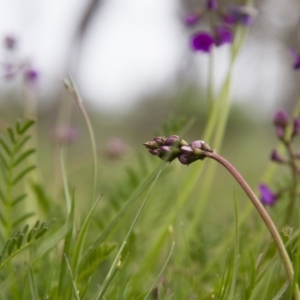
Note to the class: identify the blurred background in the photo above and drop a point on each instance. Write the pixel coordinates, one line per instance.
(133, 66)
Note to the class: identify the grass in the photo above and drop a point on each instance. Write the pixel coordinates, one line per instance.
(86, 226)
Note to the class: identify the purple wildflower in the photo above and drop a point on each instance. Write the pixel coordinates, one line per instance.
(10, 42)
(212, 4)
(267, 197)
(202, 41)
(115, 148)
(192, 19)
(239, 14)
(296, 127)
(281, 118)
(65, 134)
(276, 157)
(223, 35)
(31, 75)
(296, 59)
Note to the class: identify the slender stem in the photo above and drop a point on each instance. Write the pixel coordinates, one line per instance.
(265, 216)
(293, 191)
(78, 100)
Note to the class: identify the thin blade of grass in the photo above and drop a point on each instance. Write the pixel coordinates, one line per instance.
(32, 284)
(62, 290)
(81, 237)
(74, 288)
(115, 265)
(108, 229)
(281, 292)
(161, 272)
(236, 258)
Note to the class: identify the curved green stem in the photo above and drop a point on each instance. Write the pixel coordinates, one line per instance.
(264, 215)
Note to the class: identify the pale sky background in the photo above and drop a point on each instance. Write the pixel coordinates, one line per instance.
(135, 47)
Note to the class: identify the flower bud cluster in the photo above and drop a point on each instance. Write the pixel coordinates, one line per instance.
(174, 147)
(286, 129)
(281, 122)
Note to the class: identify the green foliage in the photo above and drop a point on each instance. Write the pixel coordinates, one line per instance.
(15, 165)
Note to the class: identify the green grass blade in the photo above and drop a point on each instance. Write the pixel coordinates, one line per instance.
(62, 290)
(65, 180)
(115, 265)
(134, 196)
(236, 257)
(33, 287)
(81, 237)
(281, 292)
(161, 272)
(74, 288)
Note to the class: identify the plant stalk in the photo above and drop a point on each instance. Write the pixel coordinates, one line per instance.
(264, 215)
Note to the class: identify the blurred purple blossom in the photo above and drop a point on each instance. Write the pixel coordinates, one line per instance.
(239, 14)
(276, 157)
(65, 134)
(212, 4)
(296, 59)
(192, 19)
(202, 41)
(31, 75)
(281, 118)
(296, 127)
(116, 148)
(10, 42)
(267, 197)
(223, 35)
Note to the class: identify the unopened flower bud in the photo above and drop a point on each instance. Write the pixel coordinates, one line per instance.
(165, 149)
(173, 139)
(276, 157)
(281, 118)
(212, 4)
(151, 145)
(159, 140)
(197, 144)
(296, 127)
(187, 159)
(154, 152)
(267, 196)
(10, 42)
(192, 19)
(186, 150)
(280, 132)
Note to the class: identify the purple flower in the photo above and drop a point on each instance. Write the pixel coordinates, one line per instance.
(212, 4)
(276, 157)
(296, 59)
(240, 14)
(281, 118)
(116, 148)
(192, 19)
(202, 41)
(65, 134)
(10, 42)
(267, 197)
(223, 35)
(296, 127)
(31, 75)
